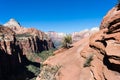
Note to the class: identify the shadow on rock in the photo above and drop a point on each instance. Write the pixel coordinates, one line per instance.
(13, 67)
(111, 66)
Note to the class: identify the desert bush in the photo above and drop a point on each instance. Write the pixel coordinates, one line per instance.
(33, 69)
(32, 57)
(49, 72)
(45, 54)
(67, 40)
(88, 60)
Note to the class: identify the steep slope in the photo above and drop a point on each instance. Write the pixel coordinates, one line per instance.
(30, 39)
(15, 46)
(94, 58)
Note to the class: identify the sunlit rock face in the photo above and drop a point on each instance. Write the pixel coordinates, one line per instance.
(12, 22)
(92, 58)
(16, 43)
(30, 39)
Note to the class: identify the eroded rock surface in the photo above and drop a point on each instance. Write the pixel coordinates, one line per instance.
(94, 58)
(16, 43)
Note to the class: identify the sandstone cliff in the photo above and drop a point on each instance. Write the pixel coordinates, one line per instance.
(30, 39)
(93, 58)
(16, 43)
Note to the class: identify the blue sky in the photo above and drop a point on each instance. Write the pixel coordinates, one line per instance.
(56, 15)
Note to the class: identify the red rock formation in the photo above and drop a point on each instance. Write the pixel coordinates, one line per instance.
(28, 42)
(15, 43)
(30, 39)
(94, 58)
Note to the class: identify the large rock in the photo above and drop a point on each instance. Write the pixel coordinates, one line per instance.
(112, 20)
(16, 43)
(111, 23)
(94, 58)
(30, 43)
(12, 23)
(30, 39)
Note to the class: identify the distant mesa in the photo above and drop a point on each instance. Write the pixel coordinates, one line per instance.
(76, 36)
(12, 23)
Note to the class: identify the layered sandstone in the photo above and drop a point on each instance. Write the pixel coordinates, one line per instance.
(16, 43)
(30, 39)
(94, 58)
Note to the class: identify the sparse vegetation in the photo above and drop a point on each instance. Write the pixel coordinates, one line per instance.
(42, 56)
(34, 69)
(67, 41)
(45, 54)
(23, 35)
(88, 60)
(49, 72)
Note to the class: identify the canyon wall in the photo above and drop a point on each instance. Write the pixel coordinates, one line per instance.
(16, 43)
(96, 57)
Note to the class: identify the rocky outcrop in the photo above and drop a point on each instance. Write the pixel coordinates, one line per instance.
(112, 20)
(11, 55)
(94, 58)
(31, 40)
(16, 43)
(12, 23)
(18, 29)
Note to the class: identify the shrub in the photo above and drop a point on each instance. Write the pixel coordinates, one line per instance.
(33, 69)
(45, 54)
(88, 61)
(67, 40)
(49, 72)
(32, 57)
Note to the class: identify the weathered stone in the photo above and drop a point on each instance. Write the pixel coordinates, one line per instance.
(104, 46)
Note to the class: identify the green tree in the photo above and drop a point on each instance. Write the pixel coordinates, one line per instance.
(67, 41)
